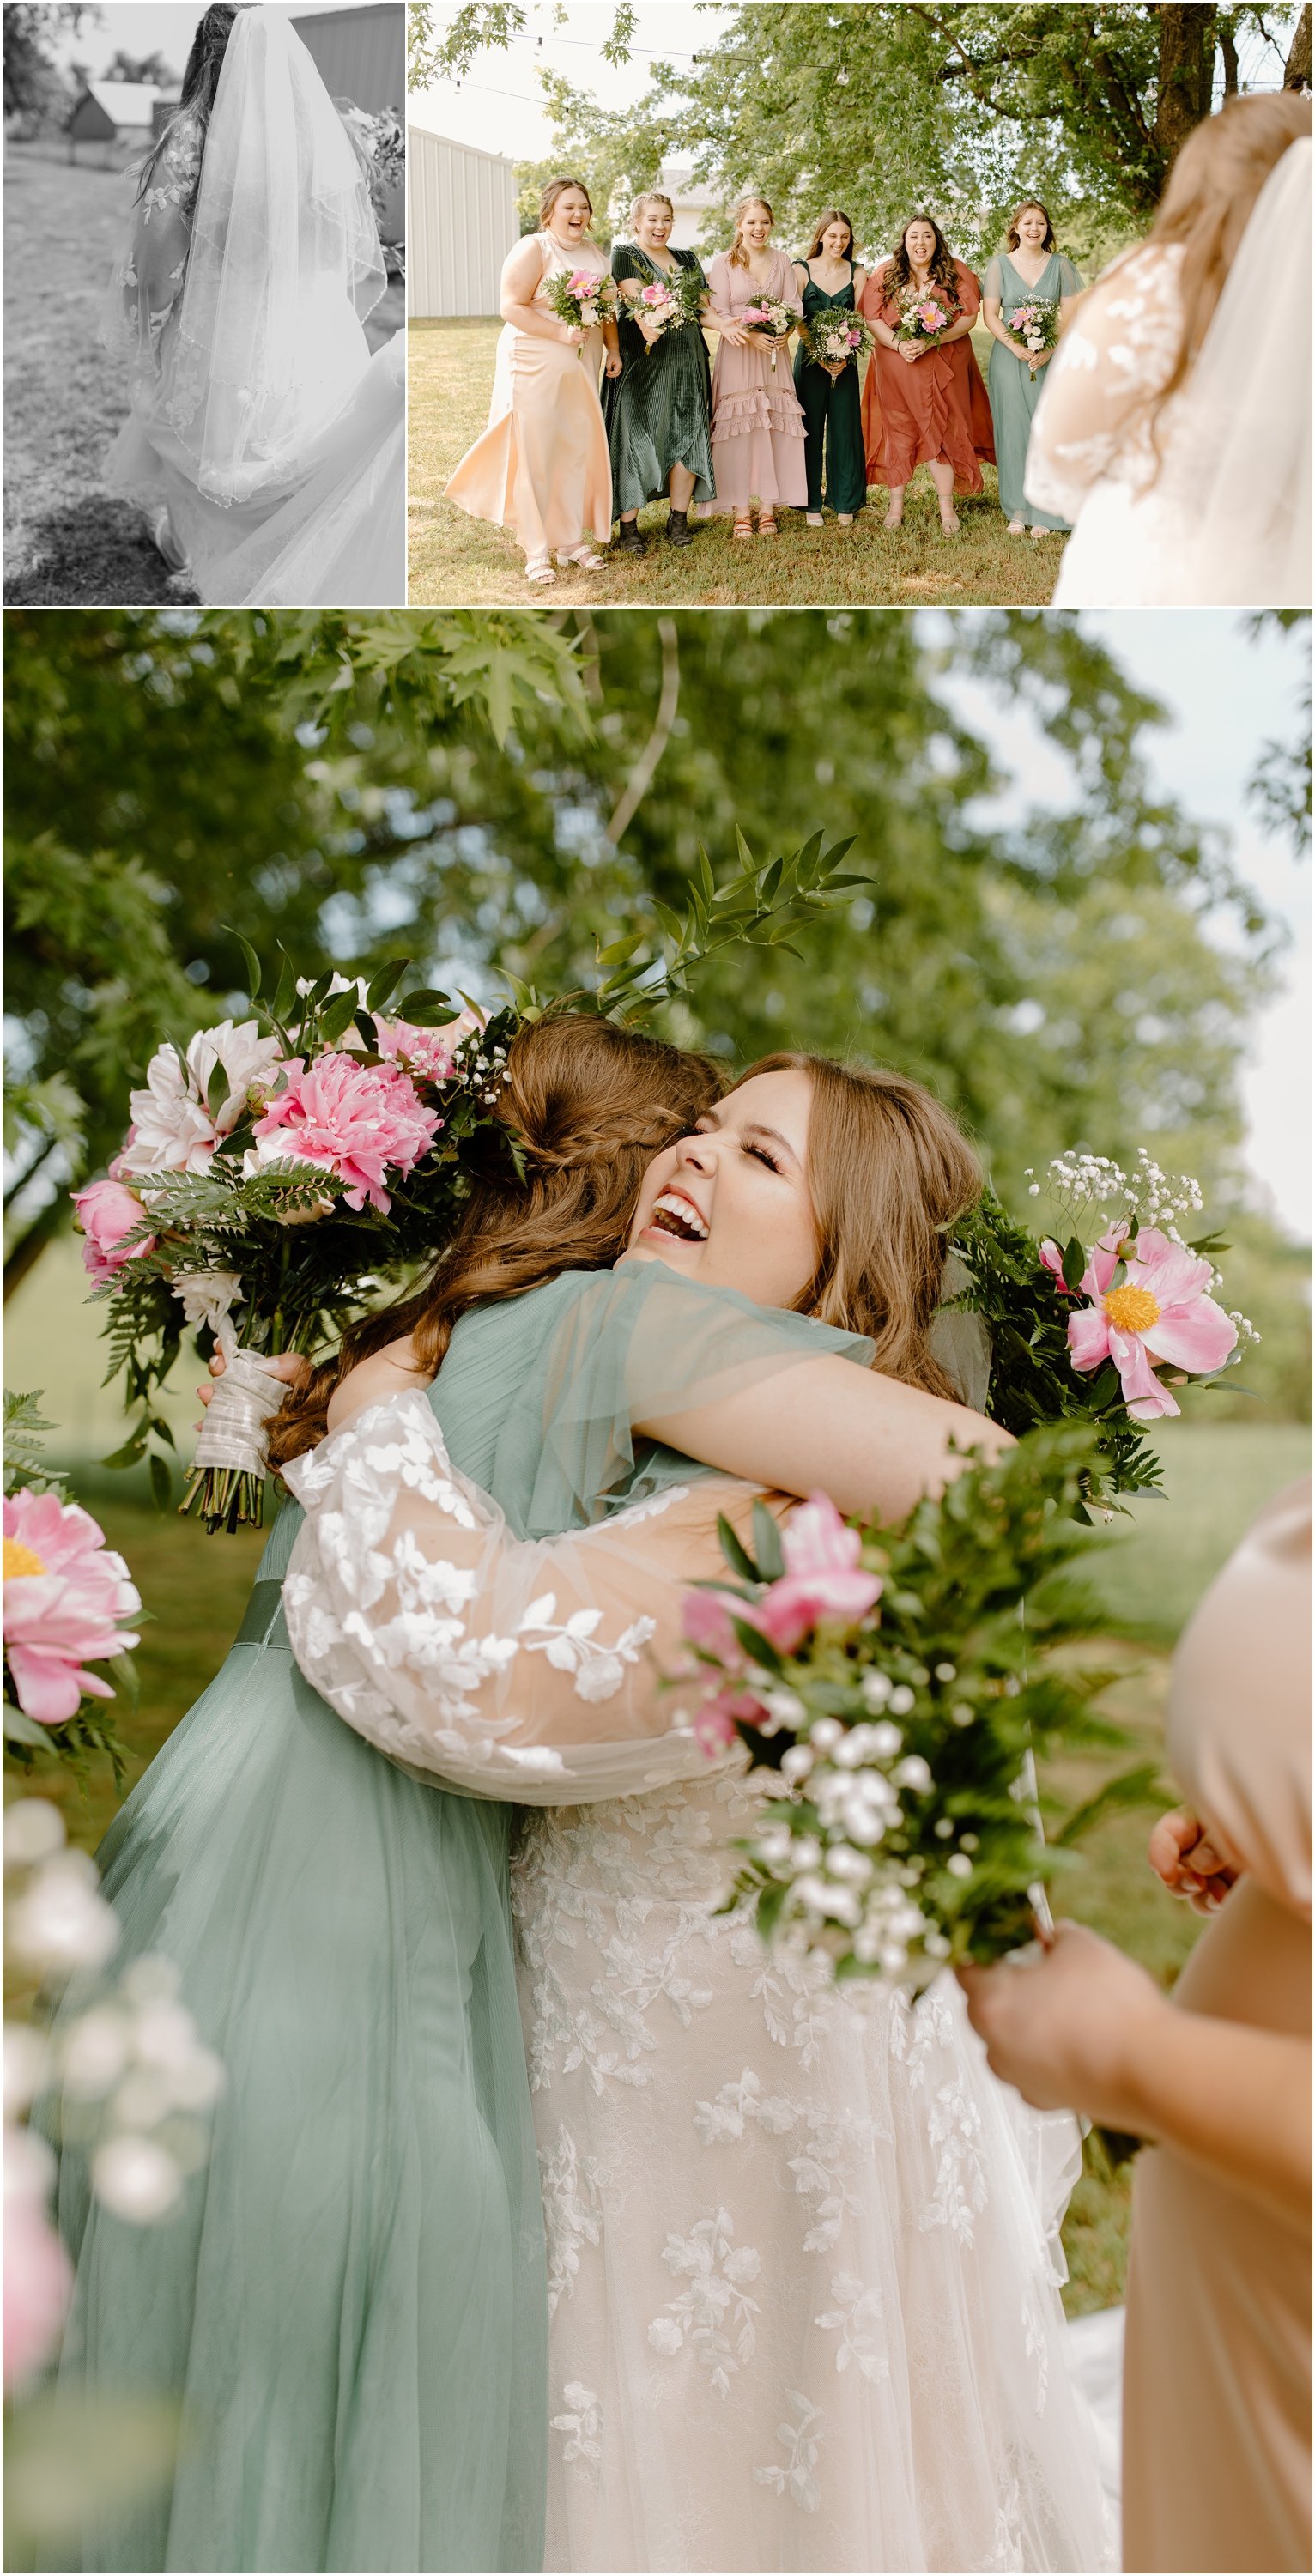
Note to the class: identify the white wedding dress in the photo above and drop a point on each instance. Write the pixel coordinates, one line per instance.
(802, 2246)
(264, 443)
(1214, 509)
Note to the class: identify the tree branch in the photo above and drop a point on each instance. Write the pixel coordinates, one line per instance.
(641, 776)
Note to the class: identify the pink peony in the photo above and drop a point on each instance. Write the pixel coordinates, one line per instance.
(350, 1119)
(822, 1580)
(107, 1213)
(714, 1723)
(64, 1590)
(174, 1128)
(707, 1624)
(654, 294)
(38, 2273)
(429, 1052)
(1160, 1312)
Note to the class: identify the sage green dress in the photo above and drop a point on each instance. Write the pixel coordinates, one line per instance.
(1013, 389)
(833, 420)
(659, 409)
(351, 2307)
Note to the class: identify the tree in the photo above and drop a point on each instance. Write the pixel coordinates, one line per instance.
(151, 68)
(888, 109)
(34, 85)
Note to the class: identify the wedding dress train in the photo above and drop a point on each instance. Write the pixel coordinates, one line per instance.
(802, 2247)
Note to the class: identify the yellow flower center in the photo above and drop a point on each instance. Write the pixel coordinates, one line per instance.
(20, 1559)
(1131, 1310)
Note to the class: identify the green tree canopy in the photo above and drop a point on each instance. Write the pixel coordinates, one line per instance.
(891, 109)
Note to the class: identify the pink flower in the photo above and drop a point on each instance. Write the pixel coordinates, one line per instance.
(64, 1590)
(1161, 1312)
(107, 1213)
(823, 1579)
(429, 1052)
(38, 2273)
(931, 317)
(714, 1722)
(707, 1624)
(653, 295)
(350, 1119)
(174, 1129)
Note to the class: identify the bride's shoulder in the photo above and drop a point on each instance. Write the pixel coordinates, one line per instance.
(175, 172)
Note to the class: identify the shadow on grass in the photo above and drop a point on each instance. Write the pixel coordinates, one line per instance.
(93, 553)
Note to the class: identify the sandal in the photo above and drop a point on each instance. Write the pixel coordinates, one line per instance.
(813, 519)
(743, 526)
(953, 526)
(893, 519)
(767, 527)
(844, 518)
(538, 568)
(1015, 529)
(584, 559)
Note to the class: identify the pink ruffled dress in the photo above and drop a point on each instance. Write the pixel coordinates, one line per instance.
(758, 431)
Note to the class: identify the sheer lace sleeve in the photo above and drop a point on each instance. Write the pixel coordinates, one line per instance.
(509, 1668)
(1115, 357)
(993, 283)
(150, 277)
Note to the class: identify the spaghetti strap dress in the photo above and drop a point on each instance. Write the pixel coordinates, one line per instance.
(832, 414)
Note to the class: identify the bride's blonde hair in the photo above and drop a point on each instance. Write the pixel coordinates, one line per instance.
(889, 1171)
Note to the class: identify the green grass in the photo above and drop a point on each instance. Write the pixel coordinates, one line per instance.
(67, 543)
(1218, 1475)
(456, 561)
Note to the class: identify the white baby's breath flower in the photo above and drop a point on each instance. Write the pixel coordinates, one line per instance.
(61, 1921)
(136, 2178)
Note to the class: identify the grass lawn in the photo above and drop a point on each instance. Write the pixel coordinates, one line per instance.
(67, 543)
(455, 561)
(196, 1588)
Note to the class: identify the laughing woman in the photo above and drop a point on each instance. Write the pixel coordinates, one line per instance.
(924, 402)
(541, 466)
(1029, 270)
(829, 283)
(659, 409)
(757, 418)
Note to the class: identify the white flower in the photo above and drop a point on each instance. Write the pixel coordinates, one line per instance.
(901, 1700)
(26, 2064)
(959, 1865)
(912, 1773)
(33, 1829)
(61, 1921)
(665, 2336)
(136, 2178)
(796, 1762)
(95, 2054)
(173, 1129)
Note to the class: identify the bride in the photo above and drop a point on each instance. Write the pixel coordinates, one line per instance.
(1174, 429)
(801, 2247)
(264, 442)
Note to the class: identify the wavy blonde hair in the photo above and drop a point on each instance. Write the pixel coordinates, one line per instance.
(737, 254)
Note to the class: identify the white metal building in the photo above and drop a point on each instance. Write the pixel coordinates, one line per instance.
(360, 52)
(461, 224)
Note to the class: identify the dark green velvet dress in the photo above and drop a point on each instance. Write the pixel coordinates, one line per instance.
(659, 409)
(832, 413)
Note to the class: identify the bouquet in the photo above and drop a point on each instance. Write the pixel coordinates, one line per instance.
(834, 339)
(584, 299)
(670, 304)
(288, 1168)
(926, 315)
(1036, 325)
(888, 1681)
(770, 320)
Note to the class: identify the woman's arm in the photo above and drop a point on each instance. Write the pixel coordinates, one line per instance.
(870, 1442)
(522, 275)
(1085, 2029)
(1118, 350)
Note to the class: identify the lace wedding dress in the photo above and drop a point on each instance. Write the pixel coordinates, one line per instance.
(802, 2247)
(1212, 506)
(265, 444)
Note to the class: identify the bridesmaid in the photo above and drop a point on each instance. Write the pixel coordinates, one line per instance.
(924, 403)
(659, 409)
(1029, 266)
(757, 418)
(830, 282)
(541, 466)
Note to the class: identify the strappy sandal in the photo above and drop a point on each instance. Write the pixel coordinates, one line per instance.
(893, 519)
(583, 559)
(767, 527)
(539, 569)
(1015, 529)
(743, 526)
(953, 526)
(813, 519)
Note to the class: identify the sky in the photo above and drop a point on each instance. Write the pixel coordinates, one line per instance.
(1225, 694)
(149, 26)
(498, 108)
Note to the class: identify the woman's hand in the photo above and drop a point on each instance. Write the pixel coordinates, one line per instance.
(291, 1366)
(910, 351)
(1039, 358)
(1065, 2029)
(571, 333)
(733, 333)
(612, 363)
(1181, 1853)
(648, 330)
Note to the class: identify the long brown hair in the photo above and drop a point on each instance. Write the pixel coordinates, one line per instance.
(196, 99)
(1208, 204)
(737, 255)
(1029, 206)
(888, 1172)
(942, 272)
(824, 222)
(594, 1103)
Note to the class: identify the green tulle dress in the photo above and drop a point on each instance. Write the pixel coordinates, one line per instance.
(351, 2308)
(1013, 389)
(659, 409)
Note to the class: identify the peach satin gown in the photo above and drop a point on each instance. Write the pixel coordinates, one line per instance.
(1217, 2377)
(542, 466)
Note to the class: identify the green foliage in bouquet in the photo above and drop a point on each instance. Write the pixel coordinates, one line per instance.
(908, 1835)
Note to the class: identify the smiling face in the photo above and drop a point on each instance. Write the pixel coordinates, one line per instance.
(920, 243)
(570, 218)
(837, 243)
(1032, 229)
(653, 226)
(729, 1205)
(756, 227)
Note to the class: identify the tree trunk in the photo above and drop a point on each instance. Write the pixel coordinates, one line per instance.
(1228, 49)
(1187, 60)
(1296, 70)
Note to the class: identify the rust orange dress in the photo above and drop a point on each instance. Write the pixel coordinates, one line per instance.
(936, 413)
